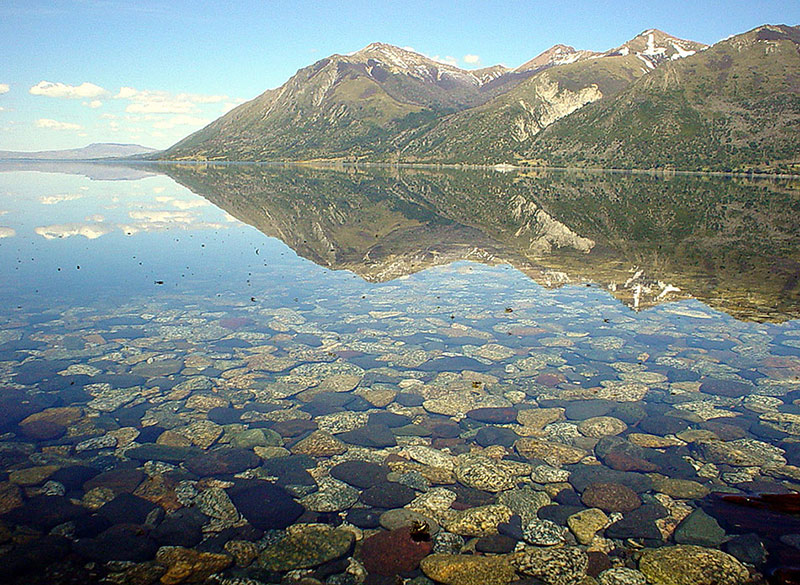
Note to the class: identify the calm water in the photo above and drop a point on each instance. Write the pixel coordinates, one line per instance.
(268, 372)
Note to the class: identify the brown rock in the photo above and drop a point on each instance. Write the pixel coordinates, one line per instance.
(64, 416)
(556, 453)
(189, 566)
(610, 497)
(319, 444)
(396, 551)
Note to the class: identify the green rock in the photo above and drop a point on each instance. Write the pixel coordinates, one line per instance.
(699, 528)
(691, 565)
(305, 546)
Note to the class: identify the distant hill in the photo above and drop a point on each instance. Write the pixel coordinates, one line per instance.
(98, 150)
(656, 101)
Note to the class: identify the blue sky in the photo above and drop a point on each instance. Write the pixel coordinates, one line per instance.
(151, 72)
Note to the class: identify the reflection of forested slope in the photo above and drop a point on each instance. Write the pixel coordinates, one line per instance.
(730, 243)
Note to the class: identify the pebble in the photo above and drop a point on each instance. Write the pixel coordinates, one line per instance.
(305, 546)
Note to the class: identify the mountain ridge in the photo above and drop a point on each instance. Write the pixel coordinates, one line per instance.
(388, 104)
(94, 151)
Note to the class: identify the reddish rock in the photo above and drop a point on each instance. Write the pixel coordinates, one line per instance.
(120, 481)
(395, 552)
(610, 497)
(549, 380)
(625, 462)
(43, 430)
(294, 427)
(236, 322)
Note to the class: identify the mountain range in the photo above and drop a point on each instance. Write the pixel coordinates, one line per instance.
(655, 101)
(95, 151)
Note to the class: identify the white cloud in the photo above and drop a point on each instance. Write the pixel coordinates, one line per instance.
(94, 218)
(472, 59)
(4, 88)
(89, 231)
(56, 125)
(162, 102)
(7, 232)
(94, 104)
(182, 203)
(53, 199)
(85, 90)
(180, 120)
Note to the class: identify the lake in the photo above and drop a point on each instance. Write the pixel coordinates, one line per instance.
(266, 372)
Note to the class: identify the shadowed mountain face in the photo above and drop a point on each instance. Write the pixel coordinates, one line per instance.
(732, 244)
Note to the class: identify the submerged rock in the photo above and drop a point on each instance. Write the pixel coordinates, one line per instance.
(691, 565)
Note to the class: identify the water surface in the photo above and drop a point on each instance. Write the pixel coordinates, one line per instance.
(488, 349)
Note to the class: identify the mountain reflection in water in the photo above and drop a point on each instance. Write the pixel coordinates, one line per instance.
(730, 242)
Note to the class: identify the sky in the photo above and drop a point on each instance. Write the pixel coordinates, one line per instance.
(153, 71)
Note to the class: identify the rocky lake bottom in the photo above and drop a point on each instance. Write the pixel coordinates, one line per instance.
(461, 426)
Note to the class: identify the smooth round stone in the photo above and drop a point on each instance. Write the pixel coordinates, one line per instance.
(662, 425)
(364, 517)
(559, 513)
(549, 474)
(397, 551)
(582, 475)
(701, 529)
(189, 565)
(639, 523)
(586, 523)
(610, 497)
(483, 473)
(43, 430)
(727, 388)
(74, 476)
(181, 528)
(543, 533)
(488, 436)
(552, 452)
(319, 444)
(388, 495)
(294, 427)
(333, 496)
(45, 512)
(467, 569)
(409, 399)
(682, 489)
(374, 436)
(31, 476)
(127, 509)
(747, 548)
(118, 480)
(553, 566)
(621, 576)
(524, 501)
(264, 505)
(691, 565)
(493, 415)
(479, 521)
(586, 409)
(538, 418)
(601, 426)
(390, 419)
(394, 519)
(252, 438)
(123, 542)
(159, 452)
(629, 412)
(305, 546)
(361, 474)
(496, 544)
(222, 461)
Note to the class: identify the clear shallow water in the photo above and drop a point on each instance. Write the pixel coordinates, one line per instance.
(147, 311)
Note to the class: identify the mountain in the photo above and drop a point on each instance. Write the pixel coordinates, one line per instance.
(653, 47)
(555, 55)
(734, 106)
(655, 101)
(344, 105)
(502, 129)
(94, 151)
